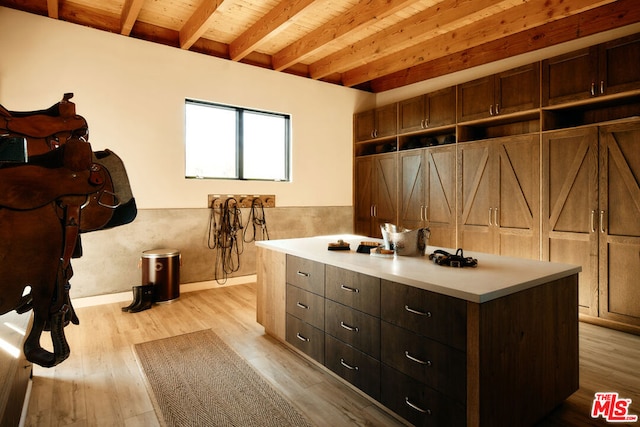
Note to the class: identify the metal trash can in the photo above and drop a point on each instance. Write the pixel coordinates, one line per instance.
(161, 268)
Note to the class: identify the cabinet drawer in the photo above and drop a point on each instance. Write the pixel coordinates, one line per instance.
(436, 316)
(305, 274)
(354, 366)
(417, 403)
(306, 306)
(356, 290)
(438, 366)
(305, 338)
(353, 327)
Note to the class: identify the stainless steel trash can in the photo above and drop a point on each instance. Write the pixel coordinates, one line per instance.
(161, 268)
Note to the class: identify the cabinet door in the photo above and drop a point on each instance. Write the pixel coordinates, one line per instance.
(570, 203)
(476, 197)
(440, 198)
(620, 65)
(619, 223)
(385, 191)
(364, 125)
(386, 121)
(475, 99)
(440, 107)
(569, 77)
(517, 90)
(363, 205)
(411, 114)
(516, 214)
(412, 190)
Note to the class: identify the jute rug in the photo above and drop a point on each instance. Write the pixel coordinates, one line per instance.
(196, 379)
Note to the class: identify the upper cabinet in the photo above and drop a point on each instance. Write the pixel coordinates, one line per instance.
(427, 111)
(378, 123)
(601, 70)
(500, 94)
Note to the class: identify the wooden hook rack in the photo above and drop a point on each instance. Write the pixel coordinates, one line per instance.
(243, 200)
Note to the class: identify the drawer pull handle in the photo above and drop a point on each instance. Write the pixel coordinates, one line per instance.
(416, 407)
(414, 311)
(301, 305)
(346, 365)
(350, 289)
(349, 328)
(302, 273)
(301, 338)
(422, 362)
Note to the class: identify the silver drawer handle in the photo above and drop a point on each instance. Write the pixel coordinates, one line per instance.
(301, 305)
(346, 365)
(414, 311)
(349, 328)
(302, 273)
(301, 338)
(347, 288)
(416, 407)
(422, 362)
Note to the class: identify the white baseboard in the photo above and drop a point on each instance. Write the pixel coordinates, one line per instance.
(184, 287)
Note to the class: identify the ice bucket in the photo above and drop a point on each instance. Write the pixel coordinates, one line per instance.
(403, 241)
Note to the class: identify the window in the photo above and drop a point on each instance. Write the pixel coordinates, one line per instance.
(222, 141)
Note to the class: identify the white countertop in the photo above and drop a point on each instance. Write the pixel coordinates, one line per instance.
(494, 277)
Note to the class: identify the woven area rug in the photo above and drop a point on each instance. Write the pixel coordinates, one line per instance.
(196, 379)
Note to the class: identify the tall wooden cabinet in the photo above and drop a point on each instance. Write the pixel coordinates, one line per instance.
(498, 199)
(376, 201)
(591, 214)
(427, 192)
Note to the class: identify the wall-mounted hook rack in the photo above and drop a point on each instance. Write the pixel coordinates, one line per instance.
(243, 200)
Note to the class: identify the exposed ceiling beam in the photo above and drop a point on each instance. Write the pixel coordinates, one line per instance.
(269, 25)
(444, 16)
(129, 15)
(520, 18)
(52, 8)
(361, 14)
(198, 23)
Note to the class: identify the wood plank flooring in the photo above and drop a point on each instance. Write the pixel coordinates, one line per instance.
(100, 384)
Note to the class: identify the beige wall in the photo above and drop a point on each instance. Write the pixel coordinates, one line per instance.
(132, 94)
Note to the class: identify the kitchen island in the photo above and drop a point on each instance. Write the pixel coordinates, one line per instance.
(486, 346)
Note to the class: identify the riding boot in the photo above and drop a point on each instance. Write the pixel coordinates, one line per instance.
(137, 297)
(147, 299)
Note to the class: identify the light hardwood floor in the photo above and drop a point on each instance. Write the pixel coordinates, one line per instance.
(100, 384)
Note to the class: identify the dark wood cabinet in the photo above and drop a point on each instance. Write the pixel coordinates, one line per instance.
(375, 182)
(358, 368)
(606, 69)
(500, 94)
(428, 192)
(427, 111)
(377, 123)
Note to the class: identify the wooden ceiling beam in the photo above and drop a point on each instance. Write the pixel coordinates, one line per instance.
(130, 13)
(198, 23)
(364, 13)
(616, 15)
(446, 16)
(52, 8)
(511, 21)
(270, 24)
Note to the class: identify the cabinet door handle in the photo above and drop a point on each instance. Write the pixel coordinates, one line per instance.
(593, 218)
(602, 230)
(303, 274)
(422, 124)
(418, 312)
(349, 328)
(497, 109)
(490, 215)
(491, 110)
(426, 213)
(349, 289)
(593, 88)
(416, 407)
(301, 338)
(415, 359)
(346, 365)
(303, 306)
(601, 87)
(495, 218)
(421, 212)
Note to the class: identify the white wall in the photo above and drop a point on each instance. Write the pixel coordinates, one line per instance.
(132, 94)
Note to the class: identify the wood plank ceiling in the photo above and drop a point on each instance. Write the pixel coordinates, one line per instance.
(373, 45)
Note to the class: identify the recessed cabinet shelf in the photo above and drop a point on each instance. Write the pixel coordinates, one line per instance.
(606, 110)
(518, 124)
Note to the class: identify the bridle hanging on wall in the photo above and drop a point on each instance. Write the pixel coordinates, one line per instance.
(257, 221)
(223, 237)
